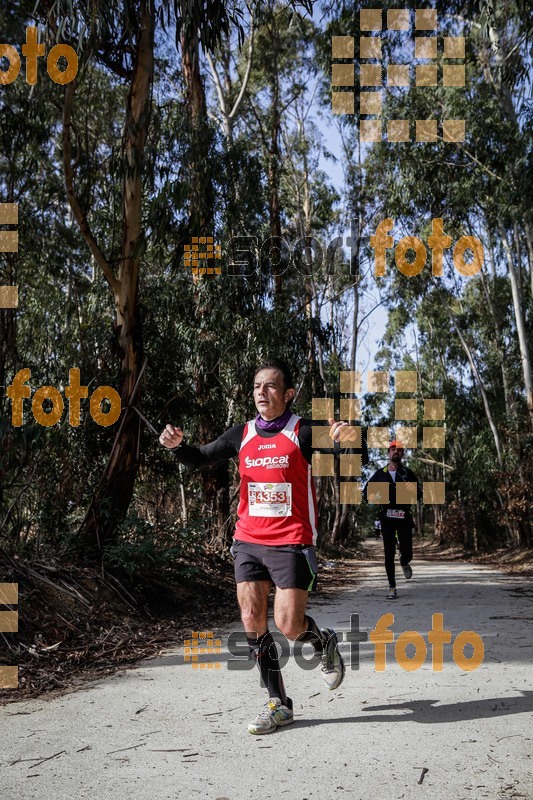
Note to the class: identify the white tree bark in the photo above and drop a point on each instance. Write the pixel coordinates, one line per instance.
(226, 118)
(520, 324)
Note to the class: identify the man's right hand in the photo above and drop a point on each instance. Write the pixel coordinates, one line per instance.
(171, 437)
(336, 432)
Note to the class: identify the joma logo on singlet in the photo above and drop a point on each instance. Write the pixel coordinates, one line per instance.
(267, 461)
(266, 446)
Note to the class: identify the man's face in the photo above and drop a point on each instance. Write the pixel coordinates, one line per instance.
(396, 454)
(270, 395)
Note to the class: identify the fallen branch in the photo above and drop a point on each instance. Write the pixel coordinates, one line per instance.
(422, 775)
(122, 749)
(39, 760)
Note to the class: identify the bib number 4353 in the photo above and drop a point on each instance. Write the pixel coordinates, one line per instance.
(269, 499)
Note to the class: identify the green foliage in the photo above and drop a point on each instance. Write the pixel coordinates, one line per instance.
(202, 340)
(142, 549)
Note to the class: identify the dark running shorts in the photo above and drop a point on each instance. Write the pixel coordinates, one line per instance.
(290, 566)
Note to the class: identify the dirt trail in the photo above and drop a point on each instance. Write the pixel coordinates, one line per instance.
(165, 730)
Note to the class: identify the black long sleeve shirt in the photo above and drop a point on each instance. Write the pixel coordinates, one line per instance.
(228, 445)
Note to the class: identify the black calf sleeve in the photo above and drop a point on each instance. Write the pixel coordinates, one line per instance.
(265, 653)
(313, 635)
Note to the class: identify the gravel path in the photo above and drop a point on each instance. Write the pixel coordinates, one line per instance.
(165, 730)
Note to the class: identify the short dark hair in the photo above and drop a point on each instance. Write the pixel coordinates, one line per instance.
(282, 367)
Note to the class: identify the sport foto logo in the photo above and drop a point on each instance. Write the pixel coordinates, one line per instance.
(380, 636)
(202, 643)
(17, 391)
(438, 242)
(398, 75)
(9, 243)
(309, 255)
(32, 50)
(9, 623)
(405, 410)
(201, 259)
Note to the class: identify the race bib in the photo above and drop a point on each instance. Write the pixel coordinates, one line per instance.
(395, 513)
(269, 500)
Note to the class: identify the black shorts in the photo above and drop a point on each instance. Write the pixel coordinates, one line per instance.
(289, 566)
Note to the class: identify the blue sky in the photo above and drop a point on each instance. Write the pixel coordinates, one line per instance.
(377, 319)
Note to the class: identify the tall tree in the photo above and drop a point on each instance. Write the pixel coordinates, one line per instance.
(115, 490)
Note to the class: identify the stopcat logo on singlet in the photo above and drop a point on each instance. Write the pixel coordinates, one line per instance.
(269, 462)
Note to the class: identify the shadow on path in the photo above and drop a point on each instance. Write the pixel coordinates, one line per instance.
(431, 711)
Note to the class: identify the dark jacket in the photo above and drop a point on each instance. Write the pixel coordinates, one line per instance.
(382, 475)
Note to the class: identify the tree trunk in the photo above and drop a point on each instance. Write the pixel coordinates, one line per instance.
(8, 348)
(505, 97)
(499, 340)
(336, 531)
(481, 387)
(227, 118)
(274, 156)
(529, 243)
(520, 325)
(215, 482)
(274, 211)
(201, 201)
(114, 493)
(355, 236)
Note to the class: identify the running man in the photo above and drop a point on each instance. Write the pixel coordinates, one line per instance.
(275, 534)
(395, 518)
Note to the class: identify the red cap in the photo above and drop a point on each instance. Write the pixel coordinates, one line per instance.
(396, 444)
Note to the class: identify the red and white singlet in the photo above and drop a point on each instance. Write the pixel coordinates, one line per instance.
(277, 502)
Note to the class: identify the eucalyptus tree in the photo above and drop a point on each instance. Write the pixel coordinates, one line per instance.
(120, 37)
